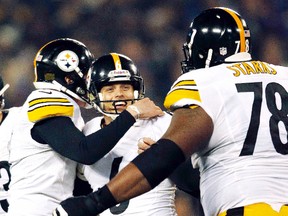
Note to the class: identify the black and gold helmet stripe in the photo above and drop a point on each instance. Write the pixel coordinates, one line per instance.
(242, 31)
(117, 61)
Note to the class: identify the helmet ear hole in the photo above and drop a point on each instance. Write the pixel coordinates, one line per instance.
(202, 54)
(68, 80)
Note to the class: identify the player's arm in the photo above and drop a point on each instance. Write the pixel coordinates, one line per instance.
(62, 135)
(185, 176)
(190, 130)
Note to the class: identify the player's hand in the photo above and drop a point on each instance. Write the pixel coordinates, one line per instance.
(74, 206)
(145, 109)
(90, 205)
(144, 144)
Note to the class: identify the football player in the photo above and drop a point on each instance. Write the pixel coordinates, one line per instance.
(116, 83)
(229, 114)
(47, 141)
(4, 165)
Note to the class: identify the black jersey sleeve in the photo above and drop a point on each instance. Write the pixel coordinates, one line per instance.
(62, 135)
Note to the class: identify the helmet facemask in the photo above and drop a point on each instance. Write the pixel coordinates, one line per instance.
(114, 69)
(102, 104)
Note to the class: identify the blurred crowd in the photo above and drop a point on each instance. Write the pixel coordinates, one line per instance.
(151, 32)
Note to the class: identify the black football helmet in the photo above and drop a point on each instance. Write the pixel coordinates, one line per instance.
(214, 35)
(2, 90)
(62, 58)
(112, 68)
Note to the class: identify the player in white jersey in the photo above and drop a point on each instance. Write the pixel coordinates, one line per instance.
(4, 165)
(47, 141)
(6, 129)
(230, 114)
(117, 83)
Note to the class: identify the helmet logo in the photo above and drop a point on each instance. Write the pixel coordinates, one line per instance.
(119, 75)
(223, 51)
(67, 61)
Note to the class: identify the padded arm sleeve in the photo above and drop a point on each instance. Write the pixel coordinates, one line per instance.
(62, 135)
(159, 161)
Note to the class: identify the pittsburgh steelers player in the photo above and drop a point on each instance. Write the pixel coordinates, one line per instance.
(47, 141)
(4, 165)
(229, 115)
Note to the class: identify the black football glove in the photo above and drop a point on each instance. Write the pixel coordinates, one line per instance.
(75, 206)
(90, 205)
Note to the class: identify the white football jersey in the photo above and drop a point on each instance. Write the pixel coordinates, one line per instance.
(5, 137)
(246, 160)
(6, 132)
(41, 178)
(160, 200)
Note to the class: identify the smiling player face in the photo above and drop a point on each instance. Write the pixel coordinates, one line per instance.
(118, 93)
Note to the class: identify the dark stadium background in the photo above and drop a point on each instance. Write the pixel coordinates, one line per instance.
(150, 32)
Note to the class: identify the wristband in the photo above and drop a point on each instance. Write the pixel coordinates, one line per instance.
(100, 200)
(133, 107)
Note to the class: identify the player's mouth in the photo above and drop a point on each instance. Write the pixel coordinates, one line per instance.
(119, 103)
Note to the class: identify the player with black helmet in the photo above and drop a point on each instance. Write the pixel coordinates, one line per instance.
(213, 36)
(115, 84)
(113, 68)
(229, 116)
(47, 141)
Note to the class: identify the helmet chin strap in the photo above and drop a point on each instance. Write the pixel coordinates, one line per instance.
(4, 89)
(62, 88)
(136, 94)
(113, 116)
(101, 108)
(209, 57)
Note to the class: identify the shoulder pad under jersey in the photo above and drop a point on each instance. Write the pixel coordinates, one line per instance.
(45, 104)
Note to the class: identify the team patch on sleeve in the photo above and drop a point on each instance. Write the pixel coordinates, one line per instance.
(42, 108)
(183, 93)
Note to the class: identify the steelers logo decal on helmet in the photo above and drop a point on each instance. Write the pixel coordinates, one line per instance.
(67, 61)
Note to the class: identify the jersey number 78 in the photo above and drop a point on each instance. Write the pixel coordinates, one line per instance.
(277, 115)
